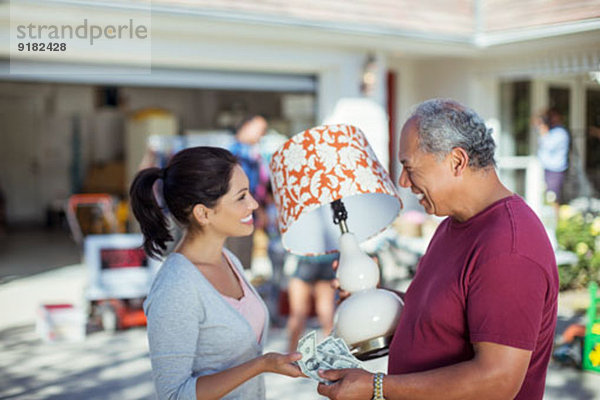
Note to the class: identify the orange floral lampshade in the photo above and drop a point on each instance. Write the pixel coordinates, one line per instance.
(321, 165)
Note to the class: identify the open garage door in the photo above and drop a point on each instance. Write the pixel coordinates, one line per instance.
(64, 126)
(159, 77)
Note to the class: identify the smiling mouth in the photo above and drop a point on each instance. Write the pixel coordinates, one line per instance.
(247, 219)
(420, 196)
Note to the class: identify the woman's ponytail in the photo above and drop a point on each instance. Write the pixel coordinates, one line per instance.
(148, 212)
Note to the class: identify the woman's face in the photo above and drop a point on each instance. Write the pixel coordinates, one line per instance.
(232, 216)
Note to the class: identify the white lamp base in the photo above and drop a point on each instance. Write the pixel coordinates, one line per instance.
(372, 348)
(367, 320)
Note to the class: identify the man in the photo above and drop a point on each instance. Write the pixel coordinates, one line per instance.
(480, 314)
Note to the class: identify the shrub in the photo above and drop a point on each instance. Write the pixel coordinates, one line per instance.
(578, 230)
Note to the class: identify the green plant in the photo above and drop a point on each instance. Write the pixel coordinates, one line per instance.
(578, 230)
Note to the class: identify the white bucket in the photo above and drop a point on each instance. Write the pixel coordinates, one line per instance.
(60, 322)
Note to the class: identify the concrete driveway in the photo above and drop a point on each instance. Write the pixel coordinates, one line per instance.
(116, 366)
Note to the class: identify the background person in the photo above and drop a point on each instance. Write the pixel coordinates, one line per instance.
(479, 316)
(312, 278)
(553, 152)
(206, 324)
(246, 148)
(277, 255)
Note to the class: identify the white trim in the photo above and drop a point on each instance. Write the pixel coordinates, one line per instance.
(157, 77)
(560, 63)
(484, 40)
(534, 177)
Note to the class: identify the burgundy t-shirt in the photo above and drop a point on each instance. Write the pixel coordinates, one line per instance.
(492, 278)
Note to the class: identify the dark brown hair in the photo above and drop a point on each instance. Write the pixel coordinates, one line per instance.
(552, 118)
(198, 175)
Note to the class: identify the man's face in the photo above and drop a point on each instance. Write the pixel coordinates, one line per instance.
(428, 178)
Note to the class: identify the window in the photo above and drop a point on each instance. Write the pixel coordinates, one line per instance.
(592, 153)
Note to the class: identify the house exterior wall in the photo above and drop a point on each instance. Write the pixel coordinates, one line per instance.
(477, 82)
(435, 49)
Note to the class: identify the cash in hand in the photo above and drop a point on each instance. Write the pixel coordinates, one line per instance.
(331, 353)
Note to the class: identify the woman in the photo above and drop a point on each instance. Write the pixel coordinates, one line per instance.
(206, 324)
(313, 276)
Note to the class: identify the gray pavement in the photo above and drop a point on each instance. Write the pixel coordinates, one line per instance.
(30, 251)
(116, 366)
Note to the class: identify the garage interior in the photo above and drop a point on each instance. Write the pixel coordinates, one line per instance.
(60, 139)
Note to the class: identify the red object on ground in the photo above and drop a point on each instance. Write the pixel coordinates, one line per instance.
(573, 331)
(57, 306)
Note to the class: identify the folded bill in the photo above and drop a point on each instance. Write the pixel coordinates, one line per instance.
(331, 353)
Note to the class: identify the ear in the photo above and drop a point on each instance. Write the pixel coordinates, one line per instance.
(459, 161)
(200, 214)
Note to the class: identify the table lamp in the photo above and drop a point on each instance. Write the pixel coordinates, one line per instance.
(332, 193)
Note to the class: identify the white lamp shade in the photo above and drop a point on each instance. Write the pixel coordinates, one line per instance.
(321, 165)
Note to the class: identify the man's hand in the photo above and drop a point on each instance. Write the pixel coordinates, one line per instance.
(349, 384)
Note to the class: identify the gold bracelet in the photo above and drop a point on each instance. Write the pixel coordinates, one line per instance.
(378, 386)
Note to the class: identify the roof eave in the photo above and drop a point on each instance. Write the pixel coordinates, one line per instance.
(490, 39)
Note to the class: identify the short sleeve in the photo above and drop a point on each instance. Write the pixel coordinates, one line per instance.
(505, 301)
(174, 316)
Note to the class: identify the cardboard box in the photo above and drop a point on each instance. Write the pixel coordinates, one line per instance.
(106, 178)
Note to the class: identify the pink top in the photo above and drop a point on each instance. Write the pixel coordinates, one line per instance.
(249, 306)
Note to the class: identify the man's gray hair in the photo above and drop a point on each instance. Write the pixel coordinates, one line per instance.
(444, 124)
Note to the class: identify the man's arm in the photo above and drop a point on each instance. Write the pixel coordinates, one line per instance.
(496, 372)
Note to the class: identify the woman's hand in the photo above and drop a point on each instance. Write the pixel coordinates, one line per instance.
(282, 364)
(217, 385)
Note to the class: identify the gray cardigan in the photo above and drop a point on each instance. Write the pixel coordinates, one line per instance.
(193, 331)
